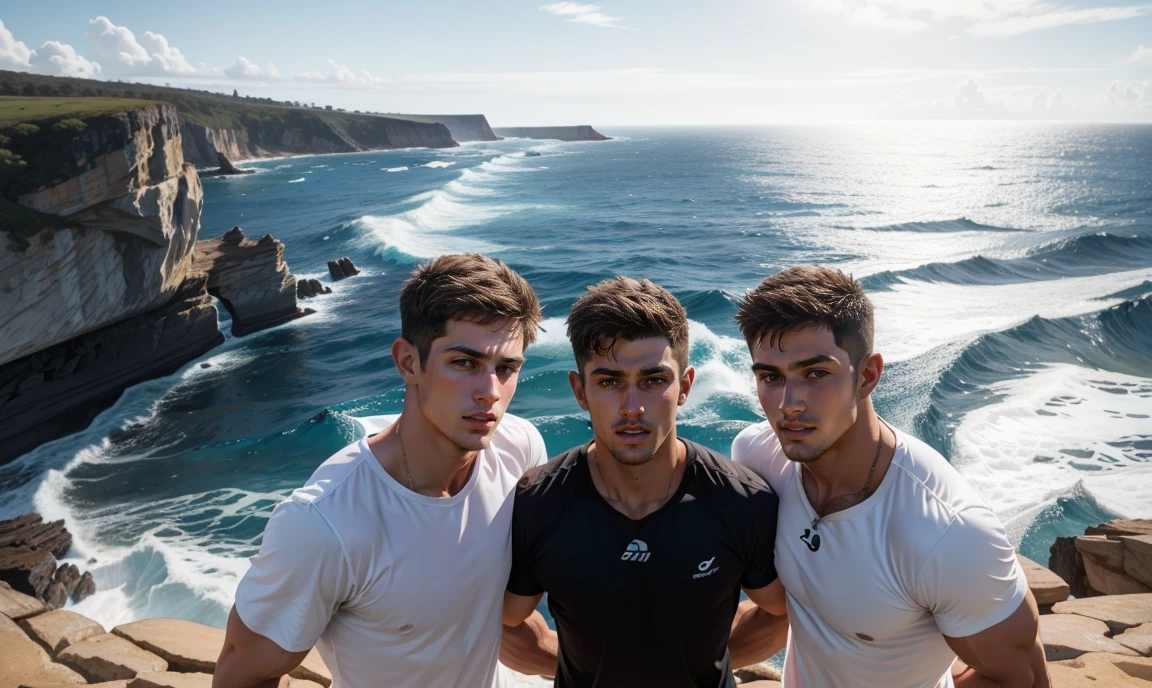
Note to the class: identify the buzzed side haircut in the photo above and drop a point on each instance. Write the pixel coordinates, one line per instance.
(809, 296)
(628, 309)
(465, 286)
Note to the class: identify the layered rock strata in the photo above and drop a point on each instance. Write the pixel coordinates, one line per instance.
(29, 548)
(578, 133)
(251, 279)
(1113, 558)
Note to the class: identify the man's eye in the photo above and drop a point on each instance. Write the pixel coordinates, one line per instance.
(655, 381)
(769, 378)
(817, 374)
(506, 370)
(464, 363)
(608, 383)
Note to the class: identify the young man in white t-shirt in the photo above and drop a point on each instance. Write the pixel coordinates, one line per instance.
(893, 564)
(394, 556)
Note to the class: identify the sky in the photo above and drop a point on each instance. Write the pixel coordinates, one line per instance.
(619, 62)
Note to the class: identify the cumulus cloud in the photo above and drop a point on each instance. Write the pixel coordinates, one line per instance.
(53, 58)
(341, 74)
(583, 14)
(1138, 56)
(983, 19)
(152, 54)
(246, 69)
(1128, 96)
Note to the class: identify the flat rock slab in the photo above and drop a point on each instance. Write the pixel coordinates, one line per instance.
(1101, 670)
(58, 629)
(16, 605)
(1138, 557)
(1120, 612)
(1067, 636)
(106, 684)
(109, 658)
(186, 646)
(26, 663)
(1046, 587)
(313, 669)
(1138, 639)
(171, 679)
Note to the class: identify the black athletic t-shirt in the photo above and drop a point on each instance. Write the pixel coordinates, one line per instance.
(645, 602)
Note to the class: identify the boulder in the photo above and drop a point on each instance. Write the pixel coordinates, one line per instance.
(56, 596)
(251, 279)
(68, 575)
(1101, 670)
(307, 288)
(1138, 638)
(1106, 552)
(1066, 562)
(26, 663)
(1046, 587)
(313, 669)
(27, 570)
(171, 679)
(1120, 527)
(342, 267)
(85, 587)
(109, 658)
(185, 645)
(1104, 565)
(16, 605)
(1138, 557)
(1066, 636)
(1120, 612)
(58, 629)
(30, 531)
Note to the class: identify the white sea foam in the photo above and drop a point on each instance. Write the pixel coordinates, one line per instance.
(296, 181)
(395, 169)
(915, 316)
(1060, 430)
(438, 164)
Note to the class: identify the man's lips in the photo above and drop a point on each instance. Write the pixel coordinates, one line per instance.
(633, 433)
(480, 420)
(794, 431)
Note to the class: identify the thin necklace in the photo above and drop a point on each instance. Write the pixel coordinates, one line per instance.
(404, 455)
(863, 492)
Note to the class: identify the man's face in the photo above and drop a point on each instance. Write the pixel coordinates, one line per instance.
(808, 389)
(469, 379)
(632, 393)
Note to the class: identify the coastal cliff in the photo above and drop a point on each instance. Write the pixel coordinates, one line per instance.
(578, 133)
(463, 127)
(103, 283)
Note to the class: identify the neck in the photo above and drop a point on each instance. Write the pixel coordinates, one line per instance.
(437, 466)
(844, 467)
(639, 490)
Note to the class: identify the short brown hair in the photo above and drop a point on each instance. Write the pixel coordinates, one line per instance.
(628, 309)
(809, 296)
(464, 286)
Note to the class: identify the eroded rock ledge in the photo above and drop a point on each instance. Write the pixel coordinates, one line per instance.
(29, 548)
(251, 279)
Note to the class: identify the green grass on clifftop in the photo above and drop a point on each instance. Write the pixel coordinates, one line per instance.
(17, 110)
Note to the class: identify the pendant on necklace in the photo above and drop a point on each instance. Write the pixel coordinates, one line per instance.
(816, 522)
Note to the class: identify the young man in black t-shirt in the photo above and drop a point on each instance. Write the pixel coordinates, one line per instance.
(643, 540)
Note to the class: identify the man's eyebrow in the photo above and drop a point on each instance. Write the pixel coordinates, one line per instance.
(656, 370)
(480, 355)
(608, 372)
(764, 367)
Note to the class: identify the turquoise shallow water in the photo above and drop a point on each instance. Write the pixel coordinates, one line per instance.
(1010, 265)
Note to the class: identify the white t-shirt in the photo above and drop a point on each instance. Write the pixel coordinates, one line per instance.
(395, 588)
(869, 602)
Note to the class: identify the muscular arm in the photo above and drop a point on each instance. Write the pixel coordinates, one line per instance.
(1008, 654)
(760, 628)
(527, 644)
(248, 659)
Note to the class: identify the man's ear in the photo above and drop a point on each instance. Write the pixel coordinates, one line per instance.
(407, 359)
(686, 380)
(871, 367)
(578, 388)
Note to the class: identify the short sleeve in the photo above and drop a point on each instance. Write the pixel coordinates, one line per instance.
(520, 579)
(297, 581)
(537, 451)
(971, 580)
(760, 564)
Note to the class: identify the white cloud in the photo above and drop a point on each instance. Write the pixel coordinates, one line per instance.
(1139, 55)
(246, 69)
(583, 14)
(61, 59)
(152, 55)
(984, 19)
(53, 58)
(341, 74)
(14, 55)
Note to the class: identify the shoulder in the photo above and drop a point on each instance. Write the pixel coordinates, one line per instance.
(558, 475)
(728, 485)
(332, 498)
(758, 448)
(518, 440)
(929, 477)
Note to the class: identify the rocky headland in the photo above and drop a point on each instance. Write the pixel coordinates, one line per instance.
(462, 127)
(102, 282)
(578, 133)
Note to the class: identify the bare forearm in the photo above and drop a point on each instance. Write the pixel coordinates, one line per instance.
(1035, 675)
(756, 635)
(530, 647)
(232, 672)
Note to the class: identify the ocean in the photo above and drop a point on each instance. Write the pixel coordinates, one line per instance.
(1010, 265)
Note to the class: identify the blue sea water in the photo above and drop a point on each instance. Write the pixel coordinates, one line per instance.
(1010, 266)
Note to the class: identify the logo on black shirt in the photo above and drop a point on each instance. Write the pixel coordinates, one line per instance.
(637, 550)
(811, 539)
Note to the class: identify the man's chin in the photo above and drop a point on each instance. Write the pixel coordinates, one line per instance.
(801, 453)
(631, 456)
(472, 441)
